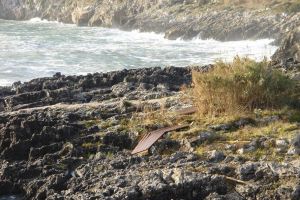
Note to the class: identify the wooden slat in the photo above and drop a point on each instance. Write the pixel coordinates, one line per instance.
(149, 139)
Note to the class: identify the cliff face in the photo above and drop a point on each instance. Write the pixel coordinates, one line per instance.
(176, 18)
(22, 10)
(70, 137)
(290, 47)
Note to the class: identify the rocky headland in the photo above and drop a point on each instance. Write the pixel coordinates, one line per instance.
(176, 18)
(70, 137)
(185, 19)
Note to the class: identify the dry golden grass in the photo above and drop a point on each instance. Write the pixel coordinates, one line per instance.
(246, 1)
(150, 117)
(279, 129)
(288, 6)
(268, 2)
(233, 89)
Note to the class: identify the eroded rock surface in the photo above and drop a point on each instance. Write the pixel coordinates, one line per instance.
(68, 137)
(177, 19)
(289, 51)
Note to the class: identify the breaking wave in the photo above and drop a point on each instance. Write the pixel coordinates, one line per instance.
(38, 48)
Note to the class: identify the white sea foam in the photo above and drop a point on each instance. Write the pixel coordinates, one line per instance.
(5, 82)
(38, 20)
(38, 48)
(11, 197)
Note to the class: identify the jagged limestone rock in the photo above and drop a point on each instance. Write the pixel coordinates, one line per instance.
(290, 47)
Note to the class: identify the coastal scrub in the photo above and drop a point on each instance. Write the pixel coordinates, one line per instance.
(242, 86)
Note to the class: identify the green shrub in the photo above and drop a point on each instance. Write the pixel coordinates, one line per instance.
(293, 7)
(294, 116)
(243, 85)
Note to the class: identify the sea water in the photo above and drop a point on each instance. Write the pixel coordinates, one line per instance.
(39, 48)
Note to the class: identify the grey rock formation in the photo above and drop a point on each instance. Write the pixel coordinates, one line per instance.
(216, 156)
(63, 137)
(177, 19)
(290, 47)
(296, 144)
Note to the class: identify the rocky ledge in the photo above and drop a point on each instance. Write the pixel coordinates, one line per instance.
(184, 19)
(290, 48)
(176, 18)
(70, 137)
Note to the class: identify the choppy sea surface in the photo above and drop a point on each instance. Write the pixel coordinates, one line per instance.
(12, 197)
(38, 48)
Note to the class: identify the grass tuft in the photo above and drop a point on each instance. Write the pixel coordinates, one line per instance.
(242, 86)
(288, 6)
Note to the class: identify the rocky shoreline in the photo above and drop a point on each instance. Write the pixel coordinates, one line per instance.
(185, 19)
(176, 18)
(66, 137)
(45, 132)
(70, 137)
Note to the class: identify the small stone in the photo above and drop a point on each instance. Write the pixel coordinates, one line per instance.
(246, 150)
(282, 143)
(132, 193)
(165, 145)
(231, 147)
(247, 171)
(228, 159)
(177, 176)
(216, 156)
(254, 143)
(93, 129)
(296, 144)
(291, 151)
(221, 127)
(57, 75)
(201, 138)
(296, 193)
(280, 150)
(268, 143)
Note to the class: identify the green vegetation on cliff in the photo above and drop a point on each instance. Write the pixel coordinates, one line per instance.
(289, 6)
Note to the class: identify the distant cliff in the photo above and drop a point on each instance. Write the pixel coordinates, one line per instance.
(175, 18)
(290, 47)
(184, 19)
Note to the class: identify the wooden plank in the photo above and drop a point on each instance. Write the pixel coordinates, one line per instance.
(149, 139)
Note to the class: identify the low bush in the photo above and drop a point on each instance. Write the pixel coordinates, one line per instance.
(293, 7)
(242, 86)
(288, 6)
